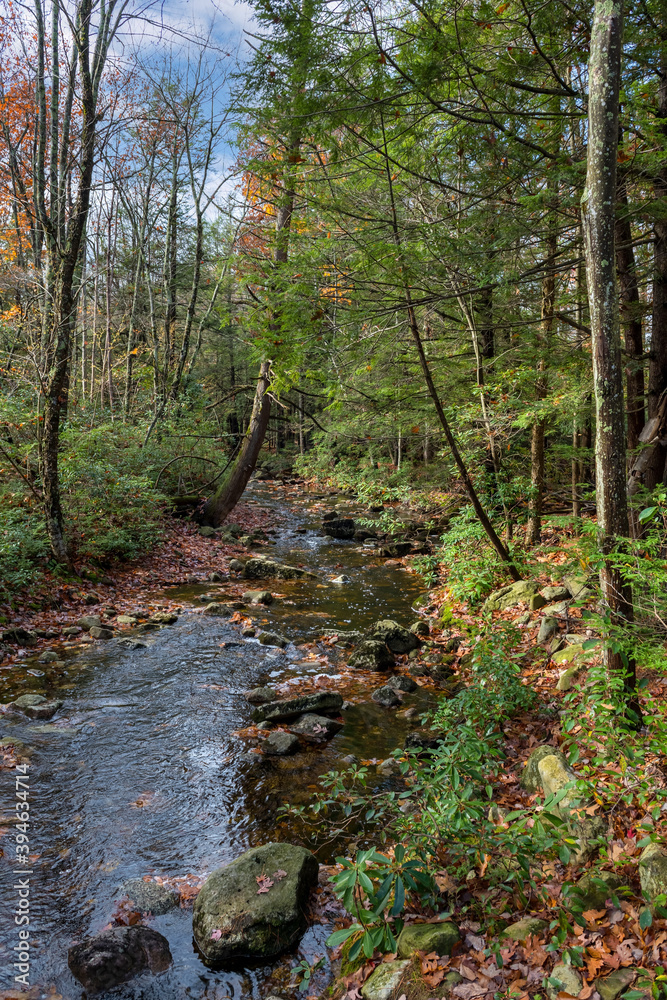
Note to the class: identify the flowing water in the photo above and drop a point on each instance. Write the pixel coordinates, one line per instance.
(141, 773)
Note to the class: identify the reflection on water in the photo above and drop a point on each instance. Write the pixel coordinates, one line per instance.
(140, 773)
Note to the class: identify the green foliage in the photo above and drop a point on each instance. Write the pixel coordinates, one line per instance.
(24, 546)
(472, 566)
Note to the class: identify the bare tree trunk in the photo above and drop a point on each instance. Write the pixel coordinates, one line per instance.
(218, 507)
(631, 319)
(598, 203)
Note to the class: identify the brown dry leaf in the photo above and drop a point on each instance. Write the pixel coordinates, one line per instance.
(590, 916)
(467, 991)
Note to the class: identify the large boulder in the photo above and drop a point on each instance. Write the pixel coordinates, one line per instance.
(653, 871)
(266, 569)
(115, 956)
(340, 527)
(507, 597)
(254, 908)
(395, 637)
(386, 696)
(291, 708)
(372, 655)
(530, 779)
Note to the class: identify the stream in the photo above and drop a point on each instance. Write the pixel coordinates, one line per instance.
(140, 773)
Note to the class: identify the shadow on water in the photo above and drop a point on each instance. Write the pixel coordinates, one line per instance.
(140, 773)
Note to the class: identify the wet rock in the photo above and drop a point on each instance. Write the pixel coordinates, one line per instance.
(548, 628)
(653, 871)
(48, 656)
(386, 696)
(164, 618)
(98, 632)
(232, 921)
(386, 981)
(346, 638)
(423, 739)
(118, 955)
(126, 620)
(19, 636)
(35, 706)
(342, 579)
(86, 622)
(216, 577)
(218, 610)
(292, 708)
(130, 643)
(508, 597)
(567, 980)
(439, 938)
(150, 897)
(261, 695)
(340, 527)
(372, 655)
(72, 630)
(420, 628)
(236, 565)
(316, 726)
(349, 759)
(257, 597)
(264, 569)
(272, 639)
(395, 637)
(249, 632)
(388, 766)
(522, 929)
(280, 744)
(555, 594)
(402, 683)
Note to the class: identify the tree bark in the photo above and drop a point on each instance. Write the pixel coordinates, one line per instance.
(598, 204)
(630, 319)
(218, 507)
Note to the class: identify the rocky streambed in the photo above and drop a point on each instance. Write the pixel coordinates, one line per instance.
(163, 751)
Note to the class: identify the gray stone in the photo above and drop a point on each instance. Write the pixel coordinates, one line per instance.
(522, 929)
(372, 655)
(402, 683)
(557, 610)
(207, 532)
(536, 602)
(218, 610)
(420, 628)
(115, 956)
(236, 565)
(292, 708)
(261, 695)
(257, 597)
(150, 897)
(530, 779)
(164, 618)
(439, 938)
(72, 630)
(615, 983)
(386, 696)
(568, 677)
(280, 744)
(232, 921)
(653, 871)
(388, 766)
(316, 726)
(548, 628)
(555, 594)
(272, 639)
(249, 632)
(35, 706)
(87, 622)
(100, 633)
(48, 656)
(264, 569)
(508, 597)
(126, 620)
(19, 636)
(578, 585)
(567, 979)
(386, 981)
(395, 637)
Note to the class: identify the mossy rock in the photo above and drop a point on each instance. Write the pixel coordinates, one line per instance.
(439, 938)
(594, 888)
(530, 779)
(653, 871)
(522, 929)
(507, 597)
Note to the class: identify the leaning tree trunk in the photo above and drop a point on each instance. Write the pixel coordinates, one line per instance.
(218, 507)
(598, 210)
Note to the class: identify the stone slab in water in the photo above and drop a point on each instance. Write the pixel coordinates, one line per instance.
(35, 706)
(272, 639)
(118, 955)
(372, 655)
(343, 528)
(280, 744)
(261, 695)
(234, 921)
(291, 708)
(401, 683)
(386, 696)
(316, 726)
(150, 897)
